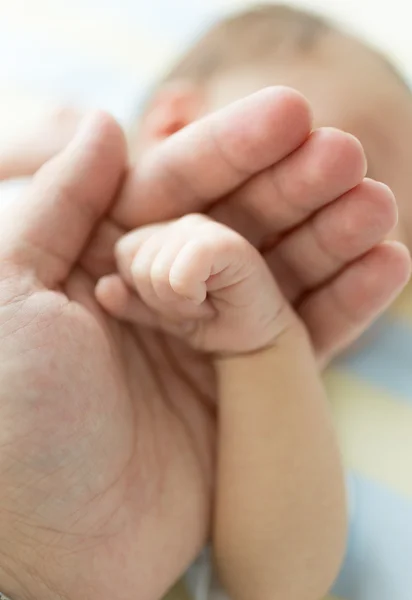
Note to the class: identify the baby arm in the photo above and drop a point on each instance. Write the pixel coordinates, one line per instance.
(280, 516)
(280, 506)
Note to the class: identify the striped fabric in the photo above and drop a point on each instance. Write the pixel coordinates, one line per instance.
(371, 396)
(108, 53)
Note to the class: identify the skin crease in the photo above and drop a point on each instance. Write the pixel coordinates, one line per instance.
(100, 449)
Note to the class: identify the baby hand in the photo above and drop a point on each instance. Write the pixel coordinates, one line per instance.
(200, 280)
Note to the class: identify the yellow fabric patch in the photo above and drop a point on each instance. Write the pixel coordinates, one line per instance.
(178, 593)
(374, 431)
(403, 306)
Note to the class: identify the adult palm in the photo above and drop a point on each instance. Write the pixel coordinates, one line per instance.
(95, 450)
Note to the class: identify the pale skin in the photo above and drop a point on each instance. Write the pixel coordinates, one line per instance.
(79, 389)
(280, 517)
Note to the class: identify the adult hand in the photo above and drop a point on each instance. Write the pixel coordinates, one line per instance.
(257, 167)
(107, 461)
(93, 460)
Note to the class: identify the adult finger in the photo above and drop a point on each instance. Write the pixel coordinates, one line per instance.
(327, 165)
(355, 298)
(214, 156)
(335, 237)
(46, 232)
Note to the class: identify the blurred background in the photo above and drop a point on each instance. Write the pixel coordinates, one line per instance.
(107, 53)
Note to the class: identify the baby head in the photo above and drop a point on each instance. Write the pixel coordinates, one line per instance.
(349, 85)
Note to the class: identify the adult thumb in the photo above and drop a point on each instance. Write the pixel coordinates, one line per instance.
(46, 231)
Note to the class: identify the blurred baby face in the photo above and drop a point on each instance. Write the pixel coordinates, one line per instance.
(351, 88)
